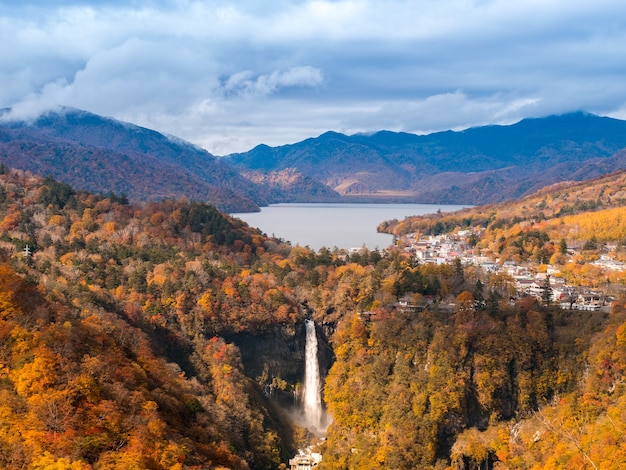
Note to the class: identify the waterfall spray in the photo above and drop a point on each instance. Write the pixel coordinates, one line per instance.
(315, 420)
(312, 385)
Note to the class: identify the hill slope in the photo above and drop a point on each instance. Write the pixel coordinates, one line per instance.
(476, 166)
(97, 369)
(164, 335)
(100, 154)
(561, 207)
(290, 185)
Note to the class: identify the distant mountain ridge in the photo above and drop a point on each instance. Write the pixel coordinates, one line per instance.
(100, 154)
(476, 166)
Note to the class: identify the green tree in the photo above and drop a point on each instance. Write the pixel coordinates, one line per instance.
(546, 291)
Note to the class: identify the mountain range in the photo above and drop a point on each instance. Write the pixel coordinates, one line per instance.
(98, 154)
(476, 166)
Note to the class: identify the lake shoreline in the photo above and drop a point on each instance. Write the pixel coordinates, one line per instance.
(334, 224)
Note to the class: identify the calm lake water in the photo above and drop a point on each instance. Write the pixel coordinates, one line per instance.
(335, 225)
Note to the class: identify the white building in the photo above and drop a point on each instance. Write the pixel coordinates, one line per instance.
(305, 461)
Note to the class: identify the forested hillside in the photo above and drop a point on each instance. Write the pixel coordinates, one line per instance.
(101, 154)
(588, 217)
(99, 364)
(168, 335)
(474, 166)
(481, 388)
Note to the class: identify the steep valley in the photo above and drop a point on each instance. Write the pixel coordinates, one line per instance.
(168, 335)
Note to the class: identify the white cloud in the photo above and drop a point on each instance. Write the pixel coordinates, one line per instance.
(230, 75)
(246, 84)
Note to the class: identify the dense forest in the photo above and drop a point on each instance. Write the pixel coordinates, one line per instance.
(520, 387)
(138, 336)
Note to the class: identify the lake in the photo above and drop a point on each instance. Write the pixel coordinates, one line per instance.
(335, 225)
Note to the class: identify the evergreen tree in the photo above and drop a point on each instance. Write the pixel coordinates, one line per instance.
(546, 292)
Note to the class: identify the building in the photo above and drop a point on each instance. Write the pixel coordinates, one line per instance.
(304, 461)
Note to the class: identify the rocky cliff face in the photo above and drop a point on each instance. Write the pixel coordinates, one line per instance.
(290, 185)
(275, 360)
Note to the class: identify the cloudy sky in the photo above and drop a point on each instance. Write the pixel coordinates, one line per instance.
(230, 75)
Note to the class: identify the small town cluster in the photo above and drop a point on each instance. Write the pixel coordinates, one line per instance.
(446, 248)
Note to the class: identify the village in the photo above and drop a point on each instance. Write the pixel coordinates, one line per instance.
(526, 279)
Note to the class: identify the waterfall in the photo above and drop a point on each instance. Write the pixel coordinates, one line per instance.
(314, 418)
(312, 385)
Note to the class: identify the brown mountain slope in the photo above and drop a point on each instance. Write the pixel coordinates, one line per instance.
(102, 155)
(290, 185)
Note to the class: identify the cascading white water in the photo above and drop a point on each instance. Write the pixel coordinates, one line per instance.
(312, 385)
(314, 418)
